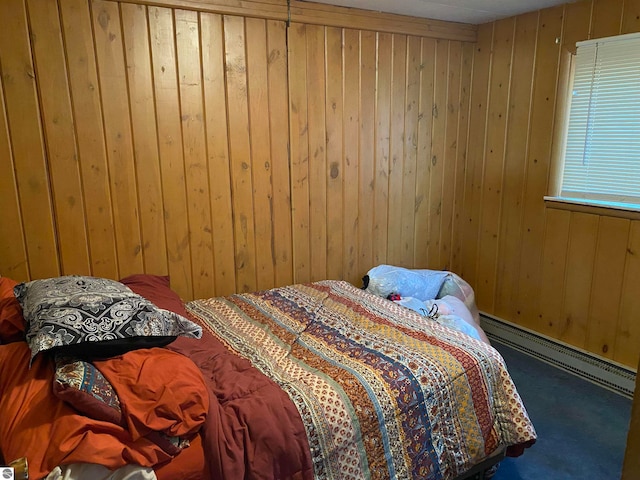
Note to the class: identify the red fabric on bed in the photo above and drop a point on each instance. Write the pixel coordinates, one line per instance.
(35, 423)
(158, 390)
(12, 325)
(157, 290)
(253, 430)
(6, 287)
(189, 464)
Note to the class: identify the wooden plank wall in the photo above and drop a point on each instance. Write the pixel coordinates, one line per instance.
(134, 140)
(230, 152)
(375, 124)
(234, 153)
(572, 275)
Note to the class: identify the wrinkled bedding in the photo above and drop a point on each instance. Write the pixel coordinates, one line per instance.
(37, 424)
(307, 381)
(382, 391)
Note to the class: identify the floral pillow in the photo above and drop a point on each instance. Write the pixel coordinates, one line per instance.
(91, 317)
(82, 386)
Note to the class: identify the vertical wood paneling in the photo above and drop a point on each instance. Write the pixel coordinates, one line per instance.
(517, 142)
(279, 120)
(409, 164)
(300, 155)
(450, 154)
(537, 164)
(215, 102)
(437, 156)
(13, 262)
(396, 150)
(457, 239)
(580, 257)
(90, 141)
(608, 274)
(631, 16)
(194, 150)
(423, 167)
(315, 66)
(117, 131)
(551, 275)
(196, 145)
(240, 152)
(606, 18)
(334, 102)
(365, 247)
(626, 347)
(135, 30)
(351, 153)
(382, 148)
(166, 94)
(554, 271)
(29, 156)
(494, 155)
(55, 104)
(475, 152)
(258, 86)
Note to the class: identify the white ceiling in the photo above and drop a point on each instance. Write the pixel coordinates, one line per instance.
(464, 11)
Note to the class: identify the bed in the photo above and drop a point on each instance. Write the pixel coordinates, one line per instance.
(321, 380)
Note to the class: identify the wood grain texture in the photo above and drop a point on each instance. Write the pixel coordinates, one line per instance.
(316, 134)
(23, 117)
(236, 63)
(366, 174)
(170, 148)
(516, 147)
(351, 155)
(494, 155)
(551, 275)
(321, 14)
(77, 30)
(118, 137)
(382, 149)
(299, 137)
(215, 103)
(217, 145)
(397, 150)
(334, 107)
(145, 137)
(13, 261)
(279, 118)
(258, 93)
(57, 119)
(424, 147)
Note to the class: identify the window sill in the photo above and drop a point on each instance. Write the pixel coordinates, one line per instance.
(586, 207)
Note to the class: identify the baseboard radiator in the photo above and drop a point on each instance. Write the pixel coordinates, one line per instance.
(598, 370)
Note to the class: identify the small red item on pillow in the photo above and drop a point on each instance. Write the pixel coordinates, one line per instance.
(12, 325)
(6, 287)
(157, 290)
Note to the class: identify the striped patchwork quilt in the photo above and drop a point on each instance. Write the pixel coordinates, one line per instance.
(382, 391)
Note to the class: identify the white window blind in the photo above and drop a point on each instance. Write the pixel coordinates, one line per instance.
(602, 156)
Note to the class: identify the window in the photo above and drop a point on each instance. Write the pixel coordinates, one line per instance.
(602, 145)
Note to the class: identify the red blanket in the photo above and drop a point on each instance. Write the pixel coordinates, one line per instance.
(245, 425)
(49, 432)
(253, 430)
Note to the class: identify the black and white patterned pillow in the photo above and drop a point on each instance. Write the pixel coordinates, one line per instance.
(95, 317)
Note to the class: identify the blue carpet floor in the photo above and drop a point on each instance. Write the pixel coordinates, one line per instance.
(582, 428)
